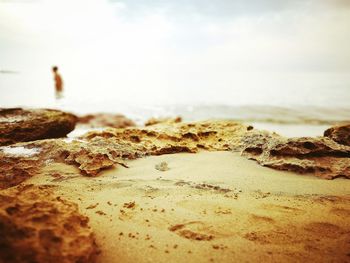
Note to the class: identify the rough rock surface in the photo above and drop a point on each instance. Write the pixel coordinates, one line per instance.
(339, 133)
(21, 125)
(37, 226)
(100, 150)
(105, 120)
(154, 121)
(96, 151)
(320, 156)
(17, 164)
(177, 137)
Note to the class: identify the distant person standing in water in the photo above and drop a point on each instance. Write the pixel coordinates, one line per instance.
(58, 83)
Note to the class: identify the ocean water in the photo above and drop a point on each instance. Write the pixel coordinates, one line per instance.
(289, 121)
(290, 111)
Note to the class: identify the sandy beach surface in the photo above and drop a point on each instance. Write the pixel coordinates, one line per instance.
(208, 207)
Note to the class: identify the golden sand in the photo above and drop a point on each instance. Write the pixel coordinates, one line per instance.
(208, 207)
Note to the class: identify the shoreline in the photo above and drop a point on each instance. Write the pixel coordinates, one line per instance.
(170, 191)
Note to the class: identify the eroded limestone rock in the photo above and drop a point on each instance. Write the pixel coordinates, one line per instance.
(21, 125)
(17, 165)
(96, 151)
(37, 226)
(177, 137)
(320, 156)
(339, 133)
(154, 121)
(99, 150)
(105, 120)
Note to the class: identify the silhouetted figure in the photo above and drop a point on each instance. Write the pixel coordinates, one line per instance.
(58, 83)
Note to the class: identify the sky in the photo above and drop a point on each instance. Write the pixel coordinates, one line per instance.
(176, 52)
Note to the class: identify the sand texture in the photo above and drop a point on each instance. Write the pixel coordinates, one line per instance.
(176, 192)
(208, 207)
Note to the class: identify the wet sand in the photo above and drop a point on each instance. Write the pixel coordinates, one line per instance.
(208, 207)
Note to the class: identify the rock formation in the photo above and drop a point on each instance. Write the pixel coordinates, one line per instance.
(154, 121)
(37, 226)
(21, 125)
(96, 151)
(100, 150)
(318, 156)
(339, 133)
(18, 164)
(105, 120)
(176, 137)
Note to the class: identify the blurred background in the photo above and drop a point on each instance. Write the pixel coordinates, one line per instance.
(200, 58)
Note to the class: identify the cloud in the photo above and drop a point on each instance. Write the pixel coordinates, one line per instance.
(228, 8)
(339, 3)
(176, 50)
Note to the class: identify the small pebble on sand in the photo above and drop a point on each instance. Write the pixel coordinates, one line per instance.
(163, 166)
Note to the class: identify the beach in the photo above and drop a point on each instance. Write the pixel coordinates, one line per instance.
(174, 131)
(170, 191)
(209, 207)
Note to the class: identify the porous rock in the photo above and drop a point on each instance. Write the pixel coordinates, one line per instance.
(16, 165)
(339, 133)
(105, 120)
(96, 151)
(22, 125)
(154, 121)
(99, 150)
(37, 226)
(320, 156)
(176, 137)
